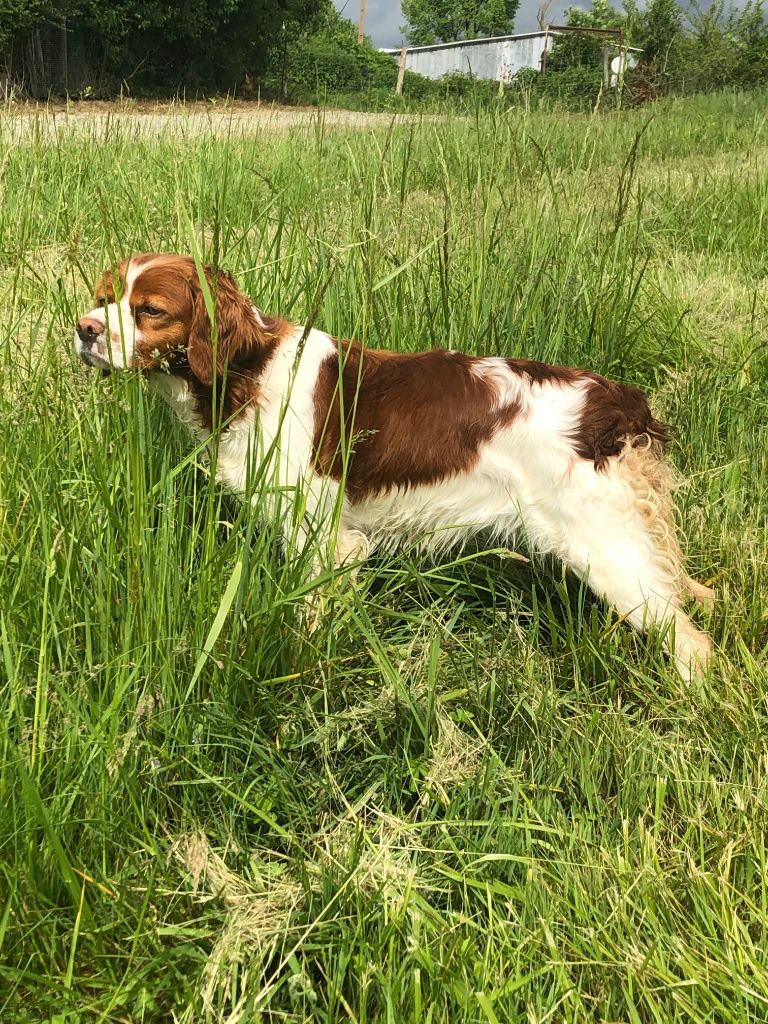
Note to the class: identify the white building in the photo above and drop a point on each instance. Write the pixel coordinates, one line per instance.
(498, 58)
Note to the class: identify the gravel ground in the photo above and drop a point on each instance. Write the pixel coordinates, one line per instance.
(225, 119)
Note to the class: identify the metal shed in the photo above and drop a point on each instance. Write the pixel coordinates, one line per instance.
(497, 58)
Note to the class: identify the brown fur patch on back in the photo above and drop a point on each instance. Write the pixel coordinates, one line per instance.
(408, 419)
(417, 418)
(544, 373)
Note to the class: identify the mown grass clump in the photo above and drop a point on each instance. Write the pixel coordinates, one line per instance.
(471, 795)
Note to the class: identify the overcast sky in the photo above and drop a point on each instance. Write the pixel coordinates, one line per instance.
(383, 18)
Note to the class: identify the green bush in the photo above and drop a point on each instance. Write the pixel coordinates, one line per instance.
(336, 62)
(574, 88)
(463, 85)
(330, 64)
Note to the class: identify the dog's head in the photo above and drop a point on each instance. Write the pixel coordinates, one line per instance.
(152, 314)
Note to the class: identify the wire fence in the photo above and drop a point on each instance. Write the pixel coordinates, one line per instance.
(51, 60)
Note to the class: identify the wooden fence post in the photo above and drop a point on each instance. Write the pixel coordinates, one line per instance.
(401, 71)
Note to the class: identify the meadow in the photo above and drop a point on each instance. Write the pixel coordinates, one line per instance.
(472, 795)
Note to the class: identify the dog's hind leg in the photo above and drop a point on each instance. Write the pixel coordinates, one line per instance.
(618, 534)
(705, 596)
(645, 599)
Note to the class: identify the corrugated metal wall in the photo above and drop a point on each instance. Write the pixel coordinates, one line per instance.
(498, 59)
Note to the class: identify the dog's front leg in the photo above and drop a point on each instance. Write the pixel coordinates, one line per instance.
(351, 547)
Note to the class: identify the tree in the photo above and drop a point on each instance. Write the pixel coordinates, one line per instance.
(660, 30)
(206, 43)
(728, 47)
(17, 16)
(575, 66)
(447, 21)
(542, 14)
(166, 44)
(584, 50)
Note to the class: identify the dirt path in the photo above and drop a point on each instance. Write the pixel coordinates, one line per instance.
(198, 118)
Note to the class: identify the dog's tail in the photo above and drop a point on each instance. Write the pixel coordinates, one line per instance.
(615, 416)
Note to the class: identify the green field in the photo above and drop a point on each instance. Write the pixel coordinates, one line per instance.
(472, 795)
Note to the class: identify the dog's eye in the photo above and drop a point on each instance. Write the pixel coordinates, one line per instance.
(150, 311)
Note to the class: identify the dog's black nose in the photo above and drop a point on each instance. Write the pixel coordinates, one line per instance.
(88, 329)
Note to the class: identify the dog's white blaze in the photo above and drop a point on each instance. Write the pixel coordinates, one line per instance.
(116, 344)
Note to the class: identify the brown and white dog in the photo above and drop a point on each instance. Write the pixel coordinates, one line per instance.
(426, 448)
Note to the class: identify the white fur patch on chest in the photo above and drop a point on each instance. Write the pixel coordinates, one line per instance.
(279, 435)
(235, 445)
(179, 396)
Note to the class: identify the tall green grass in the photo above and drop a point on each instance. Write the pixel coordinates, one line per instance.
(471, 795)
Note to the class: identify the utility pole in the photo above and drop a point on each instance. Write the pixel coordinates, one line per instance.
(361, 26)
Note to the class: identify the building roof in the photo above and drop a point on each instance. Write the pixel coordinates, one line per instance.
(463, 42)
(479, 42)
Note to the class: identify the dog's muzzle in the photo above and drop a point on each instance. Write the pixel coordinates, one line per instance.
(90, 344)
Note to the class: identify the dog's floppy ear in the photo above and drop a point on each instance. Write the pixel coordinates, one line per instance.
(237, 331)
(104, 289)
(110, 285)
